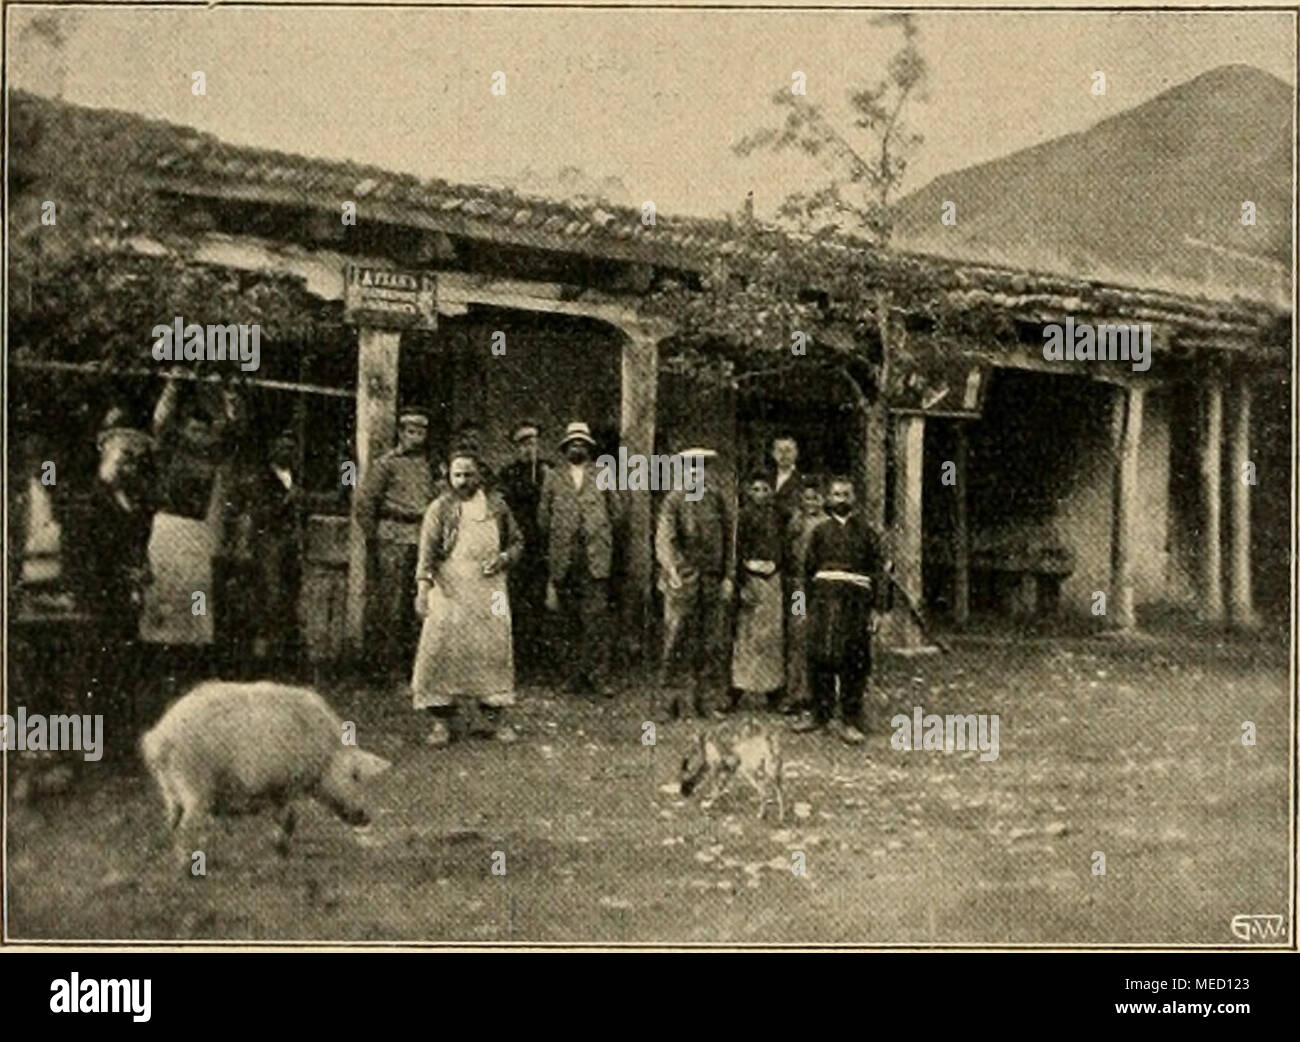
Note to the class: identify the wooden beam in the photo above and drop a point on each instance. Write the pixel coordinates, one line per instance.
(910, 454)
(322, 271)
(1211, 594)
(1126, 429)
(639, 392)
(377, 368)
(99, 369)
(1241, 607)
(960, 533)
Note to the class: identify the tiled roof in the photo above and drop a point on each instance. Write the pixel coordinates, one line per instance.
(185, 160)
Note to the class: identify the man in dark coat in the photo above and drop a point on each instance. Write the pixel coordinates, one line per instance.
(108, 563)
(270, 512)
(842, 572)
(521, 486)
(577, 518)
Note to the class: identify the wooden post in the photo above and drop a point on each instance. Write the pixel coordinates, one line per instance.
(960, 536)
(910, 444)
(1211, 594)
(377, 360)
(1241, 608)
(639, 389)
(874, 465)
(1126, 431)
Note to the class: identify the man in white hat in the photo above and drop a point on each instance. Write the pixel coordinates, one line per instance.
(695, 547)
(390, 504)
(577, 520)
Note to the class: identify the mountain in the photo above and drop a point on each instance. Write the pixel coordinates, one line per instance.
(1152, 196)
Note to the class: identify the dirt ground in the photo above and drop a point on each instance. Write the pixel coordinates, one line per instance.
(1133, 750)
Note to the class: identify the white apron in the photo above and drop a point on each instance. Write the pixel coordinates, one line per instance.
(465, 646)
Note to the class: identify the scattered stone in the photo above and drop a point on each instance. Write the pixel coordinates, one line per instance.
(802, 810)
(115, 879)
(615, 902)
(1057, 828)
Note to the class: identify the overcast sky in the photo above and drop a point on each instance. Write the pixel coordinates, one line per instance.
(652, 98)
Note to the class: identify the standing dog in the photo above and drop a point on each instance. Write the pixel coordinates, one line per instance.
(753, 753)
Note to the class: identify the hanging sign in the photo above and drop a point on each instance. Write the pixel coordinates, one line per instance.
(388, 298)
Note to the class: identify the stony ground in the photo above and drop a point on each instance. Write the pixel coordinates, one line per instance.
(1132, 750)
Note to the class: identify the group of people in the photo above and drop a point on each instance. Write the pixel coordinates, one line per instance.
(187, 543)
(483, 560)
(485, 565)
(472, 568)
(794, 590)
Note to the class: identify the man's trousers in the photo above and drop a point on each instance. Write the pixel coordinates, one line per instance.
(694, 641)
(583, 645)
(853, 672)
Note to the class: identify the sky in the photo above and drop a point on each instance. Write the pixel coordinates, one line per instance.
(653, 98)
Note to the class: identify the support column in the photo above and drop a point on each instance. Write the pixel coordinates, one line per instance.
(960, 536)
(377, 359)
(874, 465)
(1241, 607)
(639, 389)
(1211, 595)
(1126, 430)
(910, 451)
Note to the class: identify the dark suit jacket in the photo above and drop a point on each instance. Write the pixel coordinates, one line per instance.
(564, 509)
(787, 497)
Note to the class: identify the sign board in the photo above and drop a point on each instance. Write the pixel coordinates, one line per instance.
(945, 387)
(387, 298)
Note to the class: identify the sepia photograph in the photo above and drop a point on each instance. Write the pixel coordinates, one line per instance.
(616, 477)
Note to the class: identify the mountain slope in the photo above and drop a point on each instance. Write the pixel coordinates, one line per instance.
(1152, 196)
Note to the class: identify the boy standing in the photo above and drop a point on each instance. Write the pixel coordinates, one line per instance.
(840, 572)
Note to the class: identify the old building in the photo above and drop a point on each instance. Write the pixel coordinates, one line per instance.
(1067, 478)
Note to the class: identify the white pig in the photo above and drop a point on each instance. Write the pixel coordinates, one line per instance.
(228, 748)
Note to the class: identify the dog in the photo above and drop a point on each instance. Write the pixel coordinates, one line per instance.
(753, 753)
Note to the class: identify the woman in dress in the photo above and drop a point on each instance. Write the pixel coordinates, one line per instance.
(757, 664)
(465, 659)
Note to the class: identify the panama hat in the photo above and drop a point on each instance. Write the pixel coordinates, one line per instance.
(577, 431)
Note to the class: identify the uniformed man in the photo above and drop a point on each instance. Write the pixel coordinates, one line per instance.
(394, 493)
(521, 485)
